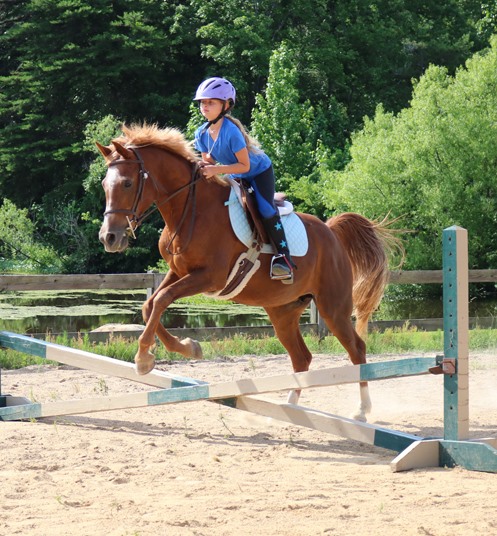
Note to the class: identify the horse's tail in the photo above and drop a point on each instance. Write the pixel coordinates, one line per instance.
(368, 244)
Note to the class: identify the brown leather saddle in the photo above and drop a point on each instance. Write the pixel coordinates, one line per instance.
(254, 219)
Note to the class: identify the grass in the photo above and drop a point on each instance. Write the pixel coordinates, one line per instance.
(391, 341)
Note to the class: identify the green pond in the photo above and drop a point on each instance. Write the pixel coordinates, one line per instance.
(73, 311)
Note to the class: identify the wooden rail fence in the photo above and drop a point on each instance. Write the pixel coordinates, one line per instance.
(150, 281)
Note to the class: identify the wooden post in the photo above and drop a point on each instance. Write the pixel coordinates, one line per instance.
(316, 319)
(456, 350)
(314, 313)
(157, 281)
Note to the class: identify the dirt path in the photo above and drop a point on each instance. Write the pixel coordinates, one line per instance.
(206, 470)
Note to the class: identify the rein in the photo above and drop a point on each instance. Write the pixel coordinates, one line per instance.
(143, 176)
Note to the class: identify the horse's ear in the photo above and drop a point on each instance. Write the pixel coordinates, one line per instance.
(125, 153)
(106, 151)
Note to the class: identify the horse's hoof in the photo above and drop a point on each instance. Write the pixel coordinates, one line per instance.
(195, 348)
(359, 416)
(293, 397)
(144, 365)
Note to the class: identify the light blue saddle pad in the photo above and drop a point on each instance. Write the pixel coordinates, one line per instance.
(295, 232)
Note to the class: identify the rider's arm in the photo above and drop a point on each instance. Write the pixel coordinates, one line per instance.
(242, 166)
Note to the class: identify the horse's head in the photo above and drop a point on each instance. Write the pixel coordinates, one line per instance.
(168, 182)
(126, 199)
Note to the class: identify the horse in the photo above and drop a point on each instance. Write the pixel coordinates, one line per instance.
(344, 271)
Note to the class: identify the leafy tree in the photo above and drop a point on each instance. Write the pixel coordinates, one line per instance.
(363, 53)
(281, 123)
(291, 130)
(65, 64)
(487, 23)
(388, 43)
(75, 62)
(20, 251)
(10, 15)
(433, 163)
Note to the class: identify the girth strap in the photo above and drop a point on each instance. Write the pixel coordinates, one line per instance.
(245, 267)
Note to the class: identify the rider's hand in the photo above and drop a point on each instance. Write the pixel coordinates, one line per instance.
(209, 170)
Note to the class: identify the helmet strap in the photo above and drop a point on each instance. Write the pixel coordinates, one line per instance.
(221, 115)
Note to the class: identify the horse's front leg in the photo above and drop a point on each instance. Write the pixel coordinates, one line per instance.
(186, 347)
(171, 288)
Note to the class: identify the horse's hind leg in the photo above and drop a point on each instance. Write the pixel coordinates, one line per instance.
(285, 320)
(338, 320)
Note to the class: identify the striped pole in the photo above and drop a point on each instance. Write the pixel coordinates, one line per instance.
(89, 361)
(225, 390)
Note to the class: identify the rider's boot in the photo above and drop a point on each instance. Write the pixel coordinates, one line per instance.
(282, 264)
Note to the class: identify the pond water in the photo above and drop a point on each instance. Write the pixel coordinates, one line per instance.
(73, 311)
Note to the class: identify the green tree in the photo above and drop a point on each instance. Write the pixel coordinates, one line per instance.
(385, 44)
(20, 248)
(74, 62)
(281, 122)
(292, 131)
(433, 163)
(487, 24)
(363, 53)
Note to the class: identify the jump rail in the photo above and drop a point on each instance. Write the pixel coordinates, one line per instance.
(453, 449)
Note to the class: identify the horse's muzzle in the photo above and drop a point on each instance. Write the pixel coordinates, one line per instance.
(114, 242)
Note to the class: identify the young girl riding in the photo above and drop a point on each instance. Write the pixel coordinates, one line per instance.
(227, 148)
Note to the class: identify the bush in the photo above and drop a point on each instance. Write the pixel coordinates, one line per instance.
(19, 250)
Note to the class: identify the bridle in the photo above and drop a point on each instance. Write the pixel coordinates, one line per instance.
(143, 175)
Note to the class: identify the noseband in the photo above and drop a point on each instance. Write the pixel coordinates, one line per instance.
(143, 175)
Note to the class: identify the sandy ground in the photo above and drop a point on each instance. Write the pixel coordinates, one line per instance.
(203, 469)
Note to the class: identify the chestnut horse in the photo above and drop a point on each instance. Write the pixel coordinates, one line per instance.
(344, 271)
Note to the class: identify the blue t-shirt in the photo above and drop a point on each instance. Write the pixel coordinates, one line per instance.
(230, 140)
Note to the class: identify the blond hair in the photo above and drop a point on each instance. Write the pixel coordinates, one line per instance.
(253, 145)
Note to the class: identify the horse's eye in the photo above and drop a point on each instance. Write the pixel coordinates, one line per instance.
(128, 183)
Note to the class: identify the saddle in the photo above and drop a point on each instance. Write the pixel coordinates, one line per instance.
(248, 262)
(249, 230)
(249, 205)
(241, 212)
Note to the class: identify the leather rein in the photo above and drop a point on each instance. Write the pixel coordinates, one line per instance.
(143, 175)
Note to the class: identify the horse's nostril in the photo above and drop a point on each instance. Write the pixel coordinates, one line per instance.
(108, 238)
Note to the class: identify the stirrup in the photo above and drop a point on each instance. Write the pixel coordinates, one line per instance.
(285, 278)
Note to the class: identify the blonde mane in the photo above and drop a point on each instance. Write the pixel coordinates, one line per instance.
(170, 139)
